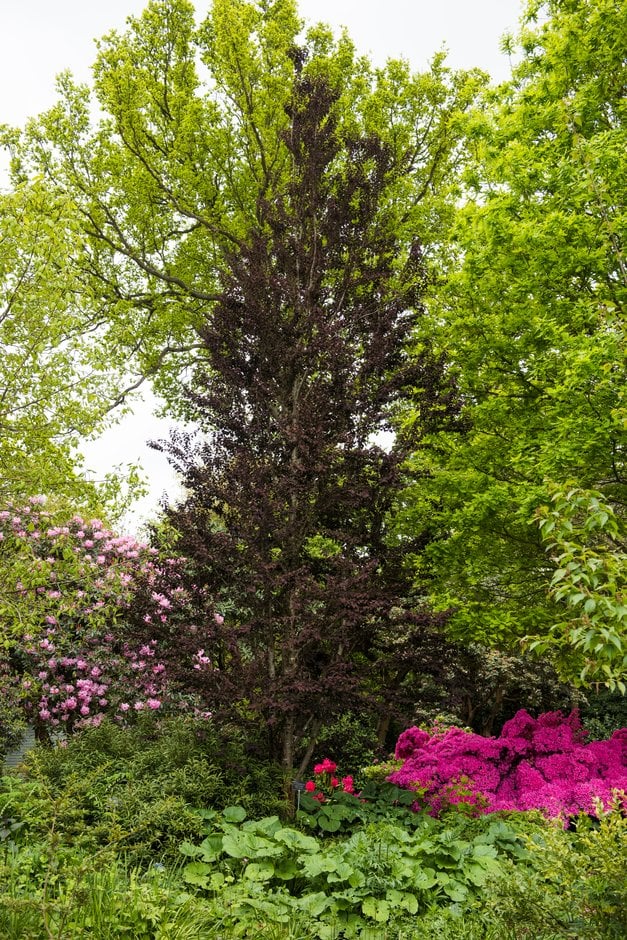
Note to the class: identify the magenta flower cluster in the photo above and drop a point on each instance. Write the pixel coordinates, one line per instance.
(542, 764)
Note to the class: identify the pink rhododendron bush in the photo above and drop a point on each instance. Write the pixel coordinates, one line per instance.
(90, 622)
(542, 764)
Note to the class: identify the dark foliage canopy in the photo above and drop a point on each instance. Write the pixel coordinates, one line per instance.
(290, 489)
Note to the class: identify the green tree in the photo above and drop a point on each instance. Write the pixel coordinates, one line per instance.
(586, 541)
(256, 209)
(531, 320)
(56, 384)
(189, 149)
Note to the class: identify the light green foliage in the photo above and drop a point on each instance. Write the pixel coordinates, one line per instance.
(191, 143)
(531, 320)
(141, 786)
(68, 894)
(586, 539)
(573, 886)
(56, 382)
(69, 863)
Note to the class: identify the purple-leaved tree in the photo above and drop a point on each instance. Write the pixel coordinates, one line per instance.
(290, 492)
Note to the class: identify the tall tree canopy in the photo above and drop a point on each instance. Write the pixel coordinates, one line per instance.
(289, 496)
(532, 322)
(251, 220)
(256, 210)
(190, 144)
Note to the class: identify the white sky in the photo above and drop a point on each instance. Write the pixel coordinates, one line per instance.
(40, 38)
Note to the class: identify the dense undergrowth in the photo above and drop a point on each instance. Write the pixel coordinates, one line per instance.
(172, 830)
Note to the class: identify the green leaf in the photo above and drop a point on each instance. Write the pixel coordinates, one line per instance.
(234, 814)
(242, 844)
(192, 851)
(328, 823)
(295, 840)
(211, 848)
(476, 874)
(287, 869)
(196, 873)
(424, 878)
(314, 904)
(456, 892)
(259, 871)
(402, 899)
(489, 851)
(376, 908)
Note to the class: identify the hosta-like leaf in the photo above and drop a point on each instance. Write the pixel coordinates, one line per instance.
(196, 873)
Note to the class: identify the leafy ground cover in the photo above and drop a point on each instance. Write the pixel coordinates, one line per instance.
(190, 836)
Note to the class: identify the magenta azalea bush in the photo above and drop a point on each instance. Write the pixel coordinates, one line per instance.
(74, 645)
(543, 764)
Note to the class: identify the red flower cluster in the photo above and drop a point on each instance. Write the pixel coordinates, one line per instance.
(326, 767)
(326, 770)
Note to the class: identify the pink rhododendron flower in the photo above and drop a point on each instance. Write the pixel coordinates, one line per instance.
(310, 786)
(81, 576)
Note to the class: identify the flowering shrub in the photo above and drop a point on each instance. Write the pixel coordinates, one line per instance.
(541, 763)
(74, 645)
(326, 782)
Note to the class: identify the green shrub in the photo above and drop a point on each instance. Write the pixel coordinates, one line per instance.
(351, 739)
(47, 891)
(602, 713)
(141, 787)
(573, 885)
(12, 723)
(343, 813)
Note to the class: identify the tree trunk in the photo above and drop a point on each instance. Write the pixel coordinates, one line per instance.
(383, 726)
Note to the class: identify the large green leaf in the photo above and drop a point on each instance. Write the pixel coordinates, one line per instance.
(234, 814)
(295, 840)
(259, 871)
(376, 908)
(197, 873)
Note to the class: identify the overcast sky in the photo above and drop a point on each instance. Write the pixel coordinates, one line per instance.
(40, 38)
